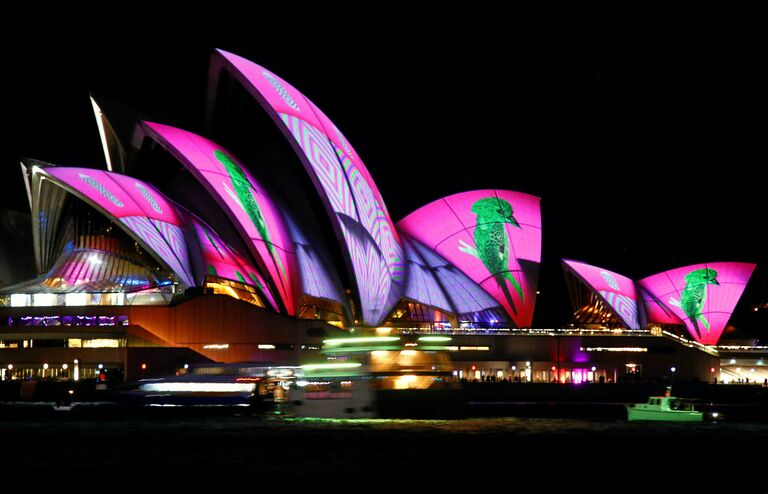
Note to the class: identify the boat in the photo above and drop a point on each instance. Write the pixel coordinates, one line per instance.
(333, 390)
(666, 408)
(376, 377)
(210, 385)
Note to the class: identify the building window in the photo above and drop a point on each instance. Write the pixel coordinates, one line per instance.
(634, 369)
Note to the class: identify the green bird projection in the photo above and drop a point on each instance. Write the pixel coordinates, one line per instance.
(694, 295)
(245, 197)
(492, 242)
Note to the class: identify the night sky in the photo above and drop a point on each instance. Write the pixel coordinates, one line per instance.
(645, 146)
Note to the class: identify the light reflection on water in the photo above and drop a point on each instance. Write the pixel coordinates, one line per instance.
(516, 425)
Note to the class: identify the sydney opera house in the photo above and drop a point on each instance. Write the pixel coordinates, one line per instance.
(181, 250)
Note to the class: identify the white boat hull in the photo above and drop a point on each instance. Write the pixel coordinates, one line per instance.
(359, 402)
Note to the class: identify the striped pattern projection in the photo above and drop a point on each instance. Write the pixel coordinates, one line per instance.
(321, 155)
(343, 181)
(371, 271)
(101, 189)
(624, 307)
(316, 280)
(147, 230)
(148, 196)
(376, 256)
(174, 237)
(141, 208)
(616, 290)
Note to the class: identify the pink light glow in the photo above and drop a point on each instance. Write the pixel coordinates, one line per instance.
(702, 295)
(657, 311)
(617, 290)
(451, 226)
(248, 204)
(138, 206)
(340, 176)
(223, 261)
(98, 187)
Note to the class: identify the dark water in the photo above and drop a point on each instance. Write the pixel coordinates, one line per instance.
(606, 455)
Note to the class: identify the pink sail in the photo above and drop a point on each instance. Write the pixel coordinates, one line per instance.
(138, 206)
(703, 296)
(492, 236)
(243, 198)
(340, 176)
(223, 261)
(616, 290)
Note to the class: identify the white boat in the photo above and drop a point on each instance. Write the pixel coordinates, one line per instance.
(209, 385)
(333, 391)
(367, 377)
(666, 408)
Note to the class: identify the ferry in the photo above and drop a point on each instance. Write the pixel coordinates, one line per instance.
(378, 376)
(666, 408)
(211, 385)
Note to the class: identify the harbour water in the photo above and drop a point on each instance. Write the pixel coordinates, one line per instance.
(522, 452)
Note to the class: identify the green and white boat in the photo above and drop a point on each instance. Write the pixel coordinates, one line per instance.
(665, 408)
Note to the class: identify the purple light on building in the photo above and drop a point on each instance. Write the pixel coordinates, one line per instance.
(243, 198)
(492, 236)
(345, 185)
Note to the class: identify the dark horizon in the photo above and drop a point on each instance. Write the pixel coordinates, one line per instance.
(545, 114)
